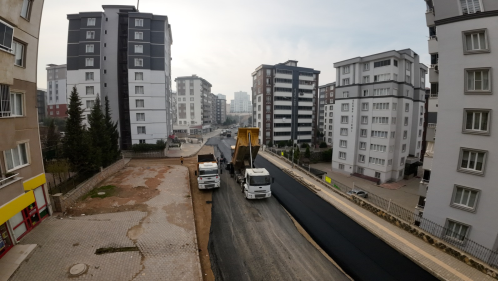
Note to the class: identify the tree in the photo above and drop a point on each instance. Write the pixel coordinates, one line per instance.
(112, 132)
(75, 146)
(98, 136)
(323, 145)
(289, 143)
(297, 154)
(307, 153)
(52, 136)
(270, 144)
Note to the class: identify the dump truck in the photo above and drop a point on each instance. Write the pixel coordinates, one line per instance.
(229, 134)
(207, 173)
(255, 182)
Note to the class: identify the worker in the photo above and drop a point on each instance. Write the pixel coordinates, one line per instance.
(181, 159)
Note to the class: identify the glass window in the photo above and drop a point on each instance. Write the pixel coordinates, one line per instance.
(6, 36)
(470, 6)
(477, 80)
(472, 161)
(476, 41)
(139, 62)
(16, 104)
(464, 197)
(90, 35)
(456, 230)
(139, 49)
(88, 76)
(140, 116)
(139, 22)
(89, 90)
(90, 104)
(139, 90)
(90, 22)
(16, 157)
(139, 35)
(139, 103)
(476, 121)
(26, 9)
(89, 62)
(19, 52)
(89, 48)
(139, 76)
(140, 130)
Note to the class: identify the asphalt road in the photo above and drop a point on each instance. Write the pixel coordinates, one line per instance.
(256, 240)
(358, 252)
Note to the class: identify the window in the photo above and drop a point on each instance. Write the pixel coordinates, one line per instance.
(19, 52)
(378, 147)
(139, 35)
(342, 155)
(139, 103)
(140, 130)
(89, 62)
(393, 134)
(88, 76)
(377, 161)
(139, 76)
(26, 9)
(366, 79)
(343, 143)
(345, 69)
(345, 81)
(143, 141)
(363, 145)
(464, 198)
(360, 170)
(395, 105)
(382, 63)
(472, 161)
(341, 166)
(363, 133)
(380, 120)
(140, 116)
(364, 106)
(382, 77)
(89, 48)
(377, 175)
(475, 41)
(361, 158)
(345, 94)
(365, 93)
(477, 80)
(366, 66)
(90, 22)
(407, 107)
(405, 134)
(89, 90)
(345, 107)
(139, 62)
(390, 162)
(90, 104)
(395, 62)
(406, 121)
(139, 22)
(470, 6)
(455, 229)
(139, 49)
(381, 92)
(403, 148)
(90, 35)
(344, 119)
(476, 121)
(191, 99)
(139, 90)
(379, 134)
(344, 131)
(393, 120)
(402, 161)
(16, 104)
(421, 121)
(418, 144)
(364, 119)
(381, 106)
(16, 157)
(6, 36)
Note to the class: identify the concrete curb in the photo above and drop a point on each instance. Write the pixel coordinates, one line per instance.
(195, 228)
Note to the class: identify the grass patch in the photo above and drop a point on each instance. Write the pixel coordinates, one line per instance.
(109, 190)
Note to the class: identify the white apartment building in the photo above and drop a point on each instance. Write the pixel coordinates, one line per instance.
(325, 111)
(378, 115)
(285, 102)
(241, 103)
(328, 124)
(57, 99)
(193, 102)
(461, 193)
(123, 55)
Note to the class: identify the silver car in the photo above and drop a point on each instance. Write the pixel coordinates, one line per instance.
(359, 193)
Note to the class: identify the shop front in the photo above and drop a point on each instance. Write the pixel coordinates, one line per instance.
(5, 240)
(24, 221)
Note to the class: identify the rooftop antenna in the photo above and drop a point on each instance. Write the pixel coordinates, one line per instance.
(138, 3)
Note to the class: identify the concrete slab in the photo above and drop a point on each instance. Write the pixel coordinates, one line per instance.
(13, 259)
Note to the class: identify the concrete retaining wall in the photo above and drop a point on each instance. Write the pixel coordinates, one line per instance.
(63, 201)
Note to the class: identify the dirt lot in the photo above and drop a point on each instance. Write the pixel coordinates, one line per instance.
(130, 197)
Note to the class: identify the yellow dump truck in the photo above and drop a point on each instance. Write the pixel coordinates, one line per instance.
(255, 182)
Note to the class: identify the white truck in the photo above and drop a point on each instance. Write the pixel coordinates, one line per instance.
(255, 182)
(208, 175)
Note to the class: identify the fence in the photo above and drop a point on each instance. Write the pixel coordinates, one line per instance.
(417, 223)
(147, 154)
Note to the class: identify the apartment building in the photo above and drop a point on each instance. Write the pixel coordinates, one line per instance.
(379, 115)
(24, 202)
(285, 103)
(210, 109)
(57, 99)
(193, 105)
(221, 107)
(41, 104)
(124, 55)
(325, 113)
(241, 103)
(461, 194)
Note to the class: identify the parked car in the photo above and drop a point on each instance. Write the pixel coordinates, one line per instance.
(359, 193)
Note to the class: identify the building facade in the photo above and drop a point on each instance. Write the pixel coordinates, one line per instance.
(379, 115)
(285, 103)
(328, 130)
(241, 103)
(123, 55)
(24, 200)
(325, 111)
(57, 99)
(221, 107)
(41, 104)
(193, 105)
(461, 194)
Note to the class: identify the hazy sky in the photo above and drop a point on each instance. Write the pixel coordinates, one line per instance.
(223, 41)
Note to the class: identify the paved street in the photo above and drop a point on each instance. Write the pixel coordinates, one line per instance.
(189, 149)
(164, 235)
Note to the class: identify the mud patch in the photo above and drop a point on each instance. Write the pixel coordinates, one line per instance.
(135, 232)
(101, 251)
(176, 214)
(153, 182)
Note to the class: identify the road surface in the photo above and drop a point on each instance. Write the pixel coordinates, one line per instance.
(256, 239)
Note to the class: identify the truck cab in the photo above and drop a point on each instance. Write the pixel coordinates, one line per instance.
(257, 184)
(207, 172)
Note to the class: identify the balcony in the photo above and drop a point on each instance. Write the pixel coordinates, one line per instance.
(9, 180)
(433, 45)
(434, 74)
(429, 17)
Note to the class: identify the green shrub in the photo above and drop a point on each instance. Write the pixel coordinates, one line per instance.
(327, 155)
(144, 147)
(323, 144)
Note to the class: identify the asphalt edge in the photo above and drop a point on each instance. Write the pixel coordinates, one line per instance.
(201, 277)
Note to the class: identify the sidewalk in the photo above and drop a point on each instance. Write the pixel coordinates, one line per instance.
(428, 257)
(190, 149)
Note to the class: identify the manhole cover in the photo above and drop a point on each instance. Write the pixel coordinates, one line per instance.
(101, 193)
(78, 269)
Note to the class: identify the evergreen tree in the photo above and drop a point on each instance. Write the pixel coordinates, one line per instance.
(98, 136)
(307, 153)
(52, 136)
(297, 155)
(75, 146)
(112, 131)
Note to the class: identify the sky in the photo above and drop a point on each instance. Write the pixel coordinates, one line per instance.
(224, 41)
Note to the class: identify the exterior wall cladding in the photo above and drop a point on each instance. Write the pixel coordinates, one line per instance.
(285, 104)
(131, 66)
(378, 115)
(462, 194)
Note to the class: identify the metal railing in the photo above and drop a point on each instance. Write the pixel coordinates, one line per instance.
(447, 235)
(8, 179)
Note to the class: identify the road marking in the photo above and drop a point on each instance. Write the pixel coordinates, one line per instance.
(394, 235)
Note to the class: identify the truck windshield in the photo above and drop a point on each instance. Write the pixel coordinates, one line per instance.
(259, 180)
(208, 172)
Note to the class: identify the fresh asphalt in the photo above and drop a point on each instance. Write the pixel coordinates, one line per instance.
(256, 239)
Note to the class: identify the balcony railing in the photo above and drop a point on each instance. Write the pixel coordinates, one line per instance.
(7, 180)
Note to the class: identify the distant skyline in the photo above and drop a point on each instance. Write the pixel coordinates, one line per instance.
(224, 41)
